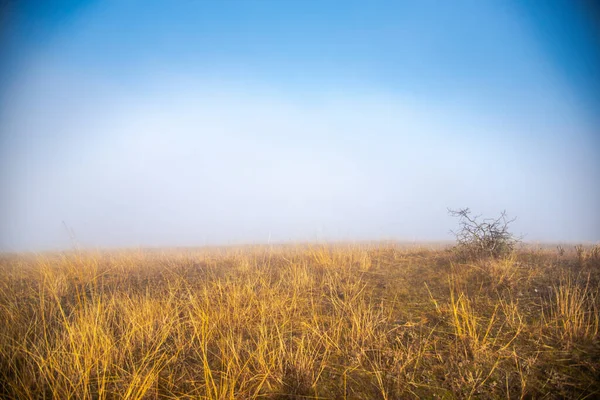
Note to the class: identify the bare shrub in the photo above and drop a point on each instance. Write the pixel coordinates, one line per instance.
(483, 238)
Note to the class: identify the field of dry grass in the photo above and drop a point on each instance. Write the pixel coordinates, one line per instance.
(292, 322)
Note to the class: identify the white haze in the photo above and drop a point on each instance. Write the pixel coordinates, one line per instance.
(181, 161)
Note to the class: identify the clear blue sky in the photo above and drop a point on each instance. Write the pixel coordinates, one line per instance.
(160, 123)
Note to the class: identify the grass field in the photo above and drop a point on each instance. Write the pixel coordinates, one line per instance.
(292, 322)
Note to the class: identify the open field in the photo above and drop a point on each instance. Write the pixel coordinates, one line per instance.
(290, 322)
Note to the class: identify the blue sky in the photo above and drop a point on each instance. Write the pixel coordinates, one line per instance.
(187, 122)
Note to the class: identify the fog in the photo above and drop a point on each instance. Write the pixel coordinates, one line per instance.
(181, 158)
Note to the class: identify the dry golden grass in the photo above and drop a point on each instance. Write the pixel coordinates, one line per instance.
(339, 322)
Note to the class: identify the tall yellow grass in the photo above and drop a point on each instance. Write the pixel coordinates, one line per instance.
(313, 321)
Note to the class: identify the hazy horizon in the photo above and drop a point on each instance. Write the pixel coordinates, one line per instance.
(194, 123)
